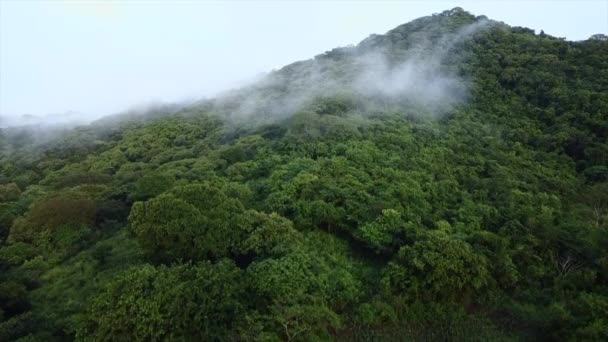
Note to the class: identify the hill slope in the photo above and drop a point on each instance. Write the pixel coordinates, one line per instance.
(446, 180)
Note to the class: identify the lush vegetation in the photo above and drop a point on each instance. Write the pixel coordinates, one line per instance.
(341, 221)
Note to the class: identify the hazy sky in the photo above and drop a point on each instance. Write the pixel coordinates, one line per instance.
(102, 57)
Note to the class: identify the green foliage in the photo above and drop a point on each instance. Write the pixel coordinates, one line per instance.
(200, 221)
(7, 216)
(267, 234)
(346, 218)
(201, 302)
(48, 214)
(9, 192)
(437, 267)
(301, 293)
(387, 233)
(16, 254)
(152, 185)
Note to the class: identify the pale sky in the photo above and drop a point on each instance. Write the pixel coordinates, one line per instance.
(102, 57)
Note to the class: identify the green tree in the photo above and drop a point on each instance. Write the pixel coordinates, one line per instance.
(48, 214)
(188, 302)
(9, 192)
(437, 267)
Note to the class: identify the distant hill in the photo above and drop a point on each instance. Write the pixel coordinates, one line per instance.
(69, 118)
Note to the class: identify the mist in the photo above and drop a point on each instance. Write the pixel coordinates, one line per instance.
(82, 61)
(376, 79)
(421, 78)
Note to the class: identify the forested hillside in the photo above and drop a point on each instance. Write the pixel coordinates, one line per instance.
(447, 180)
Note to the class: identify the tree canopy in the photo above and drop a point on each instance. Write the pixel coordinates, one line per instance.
(286, 211)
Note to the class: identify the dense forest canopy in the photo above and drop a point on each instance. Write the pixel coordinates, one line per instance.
(447, 180)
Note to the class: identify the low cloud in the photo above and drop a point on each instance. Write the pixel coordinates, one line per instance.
(418, 77)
